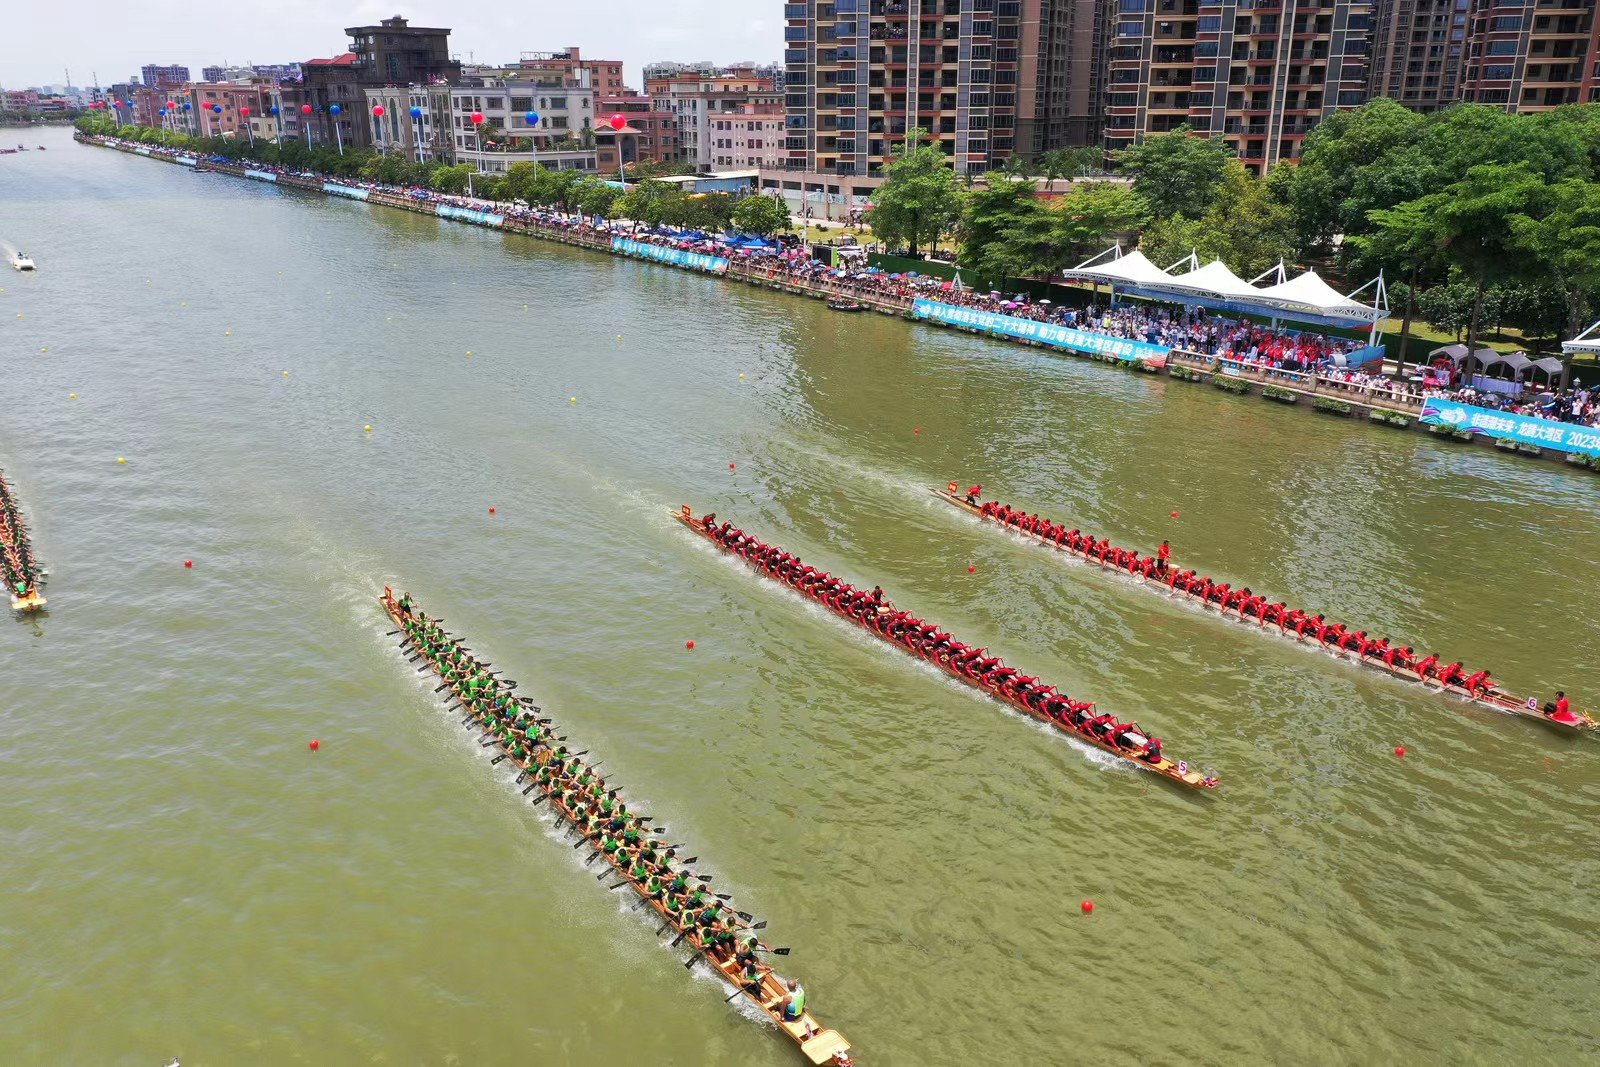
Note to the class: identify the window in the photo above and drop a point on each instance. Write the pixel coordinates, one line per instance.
(1502, 48)
(1499, 72)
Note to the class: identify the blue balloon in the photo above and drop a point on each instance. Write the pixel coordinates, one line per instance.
(335, 109)
(273, 109)
(532, 118)
(416, 112)
(217, 108)
(163, 111)
(186, 105)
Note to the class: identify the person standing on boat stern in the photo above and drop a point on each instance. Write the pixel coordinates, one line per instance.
(1163, 558)
(973, 493)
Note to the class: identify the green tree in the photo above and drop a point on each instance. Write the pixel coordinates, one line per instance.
(1177, 173)
(918, 200)
(1403, 241)
(1246, 228)
(1091, 216)
(1564, 236)
(1447, 307)
(593, 197)
(645, 202)
(762, 215)
(452, 181)
(1474, 229)
(987, 213)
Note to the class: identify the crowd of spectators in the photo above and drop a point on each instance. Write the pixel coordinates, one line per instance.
(1195, 330)
(1574, 404)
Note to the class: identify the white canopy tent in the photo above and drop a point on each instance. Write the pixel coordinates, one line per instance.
(1213, 279)
(1305, 298)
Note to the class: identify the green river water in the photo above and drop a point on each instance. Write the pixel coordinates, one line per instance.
(182, 877)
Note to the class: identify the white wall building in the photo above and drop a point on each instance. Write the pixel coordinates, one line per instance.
(563, 139)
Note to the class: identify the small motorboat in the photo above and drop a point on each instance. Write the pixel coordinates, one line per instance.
(21, 261)
(845, 305)
(41, 148)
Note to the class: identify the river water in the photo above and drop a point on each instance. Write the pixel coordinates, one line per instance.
(183, 877)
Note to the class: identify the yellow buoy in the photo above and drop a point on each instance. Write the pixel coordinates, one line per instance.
(72, 396)
(619, 337)
(285, 374)
(367, 428)
(573, 400)
(469, 351)
(227, 333)
(741, 376)
(121, 460)
(183, 303)
(44, 350)
(19, 314)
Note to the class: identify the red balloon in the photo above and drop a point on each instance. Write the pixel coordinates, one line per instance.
(305, 109)
(244, 111)
(377, 109)
(617, 122)
(171, 104)
(477, 118)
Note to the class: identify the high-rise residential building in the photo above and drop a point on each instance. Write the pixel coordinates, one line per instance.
(698, 102)
(1531, 55)
(1416, 51)
(604, 76)
(155, 76)
(986, 78)
(1258, 73)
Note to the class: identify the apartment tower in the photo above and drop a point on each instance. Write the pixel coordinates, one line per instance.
(1258, 73)
(1416, 51)
(1531, 56)
(986, 78)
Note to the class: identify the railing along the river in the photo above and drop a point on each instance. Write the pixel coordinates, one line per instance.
(1302, 381)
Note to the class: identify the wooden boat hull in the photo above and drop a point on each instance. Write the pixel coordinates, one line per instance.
(1526, 709)
(820, 1045)
(1178, 772)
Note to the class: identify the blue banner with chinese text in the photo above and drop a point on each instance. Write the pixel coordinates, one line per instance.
(1546, 433)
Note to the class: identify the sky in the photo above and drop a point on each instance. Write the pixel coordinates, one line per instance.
(116, 37)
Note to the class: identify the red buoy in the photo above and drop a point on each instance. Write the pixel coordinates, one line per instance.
(188, 563)
(491, 511)
(688, 644)
(917, 430)
(730, 466)
(1087, 906)
(1400, 751)
(971, 569)
(1172, 514)
(314, 745)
